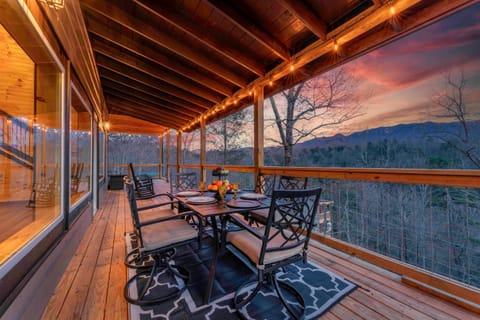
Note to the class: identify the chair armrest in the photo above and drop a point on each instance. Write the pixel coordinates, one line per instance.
(157, 205)
(253, 231)
(155, 196)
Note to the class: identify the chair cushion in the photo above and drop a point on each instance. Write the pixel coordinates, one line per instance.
(251, 246)
(158, 235)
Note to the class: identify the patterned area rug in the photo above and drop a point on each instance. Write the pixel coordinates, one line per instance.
(320, 288)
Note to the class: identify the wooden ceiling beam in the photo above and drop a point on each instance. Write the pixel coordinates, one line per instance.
(247, 25)
(112, 65)
(114, 13)
(127, 124)
(139, 90)
(145, 100)
(155, 71)
(99, 30)
(205, 36)
(141, 112)
(306, 15)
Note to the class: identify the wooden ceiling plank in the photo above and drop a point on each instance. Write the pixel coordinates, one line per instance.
(114, 13)
(175, 102)
(245, 24)
(107, 63)
(306, 15)
(141, 111)
(167, 13)
(134, 89)
(101, 31)
(145, 100)
(154, 71)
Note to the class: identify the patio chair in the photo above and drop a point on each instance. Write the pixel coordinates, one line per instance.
(133, 259)
(76, 176)
(282, 241)
(284, 183)
(183, 181)
(156, 239)
(143, 183)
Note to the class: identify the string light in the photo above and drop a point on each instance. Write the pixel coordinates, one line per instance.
(270, 82)
(392, 10)
(292, 67)
(335, 45)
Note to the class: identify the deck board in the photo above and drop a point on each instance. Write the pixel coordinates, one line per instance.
(92, 286)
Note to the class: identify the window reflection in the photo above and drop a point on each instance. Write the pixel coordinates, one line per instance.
(30, 136)
(80, 148)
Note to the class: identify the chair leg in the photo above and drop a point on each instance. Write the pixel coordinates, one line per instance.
(135, 260)
(159, 263)
(277, 284)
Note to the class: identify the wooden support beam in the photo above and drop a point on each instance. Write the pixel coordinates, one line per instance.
(167, 158)
(306, 15)
(245, 24)
(119, 69)
(179, 150)
(155, 71)
(113, 12)
(140, 91)
(203, 150)
(258, 130)
(166, 12)
(201, 76)
(160, 162)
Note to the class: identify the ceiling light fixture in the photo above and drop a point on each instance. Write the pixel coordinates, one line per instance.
(54, 4)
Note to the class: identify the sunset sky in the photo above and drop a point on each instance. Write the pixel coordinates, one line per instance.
(402, 77)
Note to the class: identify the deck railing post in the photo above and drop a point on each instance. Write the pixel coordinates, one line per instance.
(258, 122)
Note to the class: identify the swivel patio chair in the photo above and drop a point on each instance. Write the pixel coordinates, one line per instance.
(143, 183)
(146, 213)
(183, 181)
(157, 238)
(284, 183)
(282, 241)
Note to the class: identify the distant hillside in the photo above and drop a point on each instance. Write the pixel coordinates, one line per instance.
(401, 133)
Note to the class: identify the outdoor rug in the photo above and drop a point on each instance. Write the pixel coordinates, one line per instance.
(320, 288)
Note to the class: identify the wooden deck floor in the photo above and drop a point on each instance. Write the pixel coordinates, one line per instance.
(92, 286)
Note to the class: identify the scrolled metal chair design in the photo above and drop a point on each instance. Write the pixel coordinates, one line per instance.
(143, 183)
(284, 183)
(284, 240)
(157, 238)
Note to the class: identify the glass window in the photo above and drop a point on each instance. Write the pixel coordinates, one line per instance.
(80, 148)
(101, 154)
(413, 103)
(30, 122)
(230, 140)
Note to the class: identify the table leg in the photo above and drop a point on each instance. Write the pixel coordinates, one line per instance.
(213, 263)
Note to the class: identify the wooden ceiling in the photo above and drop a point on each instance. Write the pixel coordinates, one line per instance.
(172, 62)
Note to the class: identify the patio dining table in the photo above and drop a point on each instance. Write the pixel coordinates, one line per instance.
(210, 211)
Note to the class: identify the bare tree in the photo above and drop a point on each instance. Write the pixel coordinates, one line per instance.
(452, 101)
(227, 133)
(312, 106)
(187, 142)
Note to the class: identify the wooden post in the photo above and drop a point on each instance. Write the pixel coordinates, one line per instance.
(179, 150)
(203, 148)
(167, 158)
(258, 130)
(160, 163)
